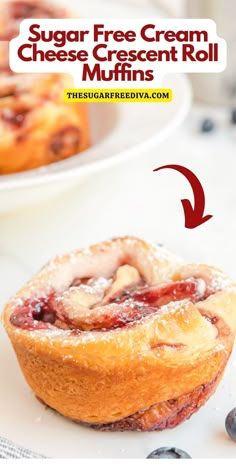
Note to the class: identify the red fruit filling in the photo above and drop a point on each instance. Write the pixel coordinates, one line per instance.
(66, 140)
(15, 118)
(34, 314)
(20, 10)
(114, 306)
(158, 296)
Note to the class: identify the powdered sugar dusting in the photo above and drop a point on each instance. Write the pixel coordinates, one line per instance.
(220, 281)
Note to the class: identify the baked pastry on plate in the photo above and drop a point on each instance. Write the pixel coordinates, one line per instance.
(123, 335)
(12, 12)
(36, 126)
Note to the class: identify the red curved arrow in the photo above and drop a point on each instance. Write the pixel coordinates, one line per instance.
(193, 214)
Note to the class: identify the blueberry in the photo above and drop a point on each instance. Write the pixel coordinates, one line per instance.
(168, 453)
(207, 125)
(230, 424)
(233, 116)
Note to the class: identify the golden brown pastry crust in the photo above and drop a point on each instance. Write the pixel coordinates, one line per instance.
(37, 127)
(106, 376)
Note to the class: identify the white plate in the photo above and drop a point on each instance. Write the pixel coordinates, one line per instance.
(119, 131)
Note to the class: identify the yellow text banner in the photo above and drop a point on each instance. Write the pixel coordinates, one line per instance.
(118, 95)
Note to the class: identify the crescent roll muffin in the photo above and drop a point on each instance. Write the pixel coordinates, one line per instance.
(36, 126)
(123, 335)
